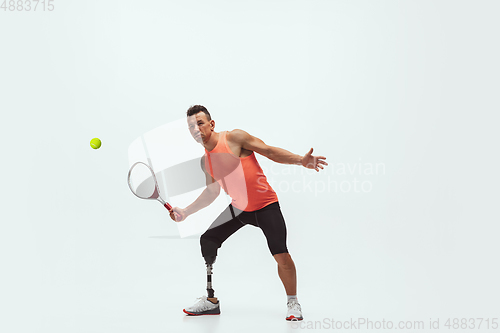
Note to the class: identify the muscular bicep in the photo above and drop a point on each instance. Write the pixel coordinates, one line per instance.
(252, 143)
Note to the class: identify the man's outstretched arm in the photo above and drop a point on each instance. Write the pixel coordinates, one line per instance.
(208, 196)
(277, 154)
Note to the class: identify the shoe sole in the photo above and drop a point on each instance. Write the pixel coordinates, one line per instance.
(291, 318)
(200, 314)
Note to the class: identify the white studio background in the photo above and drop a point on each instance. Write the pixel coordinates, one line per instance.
(410, 87)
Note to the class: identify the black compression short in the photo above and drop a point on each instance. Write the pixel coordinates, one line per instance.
(269, 219)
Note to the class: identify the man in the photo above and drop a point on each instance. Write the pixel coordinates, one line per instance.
(229, 162)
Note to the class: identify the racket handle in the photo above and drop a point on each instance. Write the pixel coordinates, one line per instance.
(167, 206)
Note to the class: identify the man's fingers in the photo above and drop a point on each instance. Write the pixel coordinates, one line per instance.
(174, 215)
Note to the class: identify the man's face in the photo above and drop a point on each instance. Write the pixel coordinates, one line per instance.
(200, 127)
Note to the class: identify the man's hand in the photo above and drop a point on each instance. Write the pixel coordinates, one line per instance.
(313, 162)
(178, 214)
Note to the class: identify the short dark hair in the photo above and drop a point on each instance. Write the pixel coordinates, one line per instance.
(195, 109)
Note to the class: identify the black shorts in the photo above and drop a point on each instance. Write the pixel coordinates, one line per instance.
(269, 219)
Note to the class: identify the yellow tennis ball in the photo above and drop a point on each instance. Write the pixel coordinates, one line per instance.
(95, 143)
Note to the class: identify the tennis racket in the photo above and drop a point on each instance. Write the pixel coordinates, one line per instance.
(143, 183)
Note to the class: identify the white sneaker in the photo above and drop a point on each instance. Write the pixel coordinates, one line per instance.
(203, 307)
(294, 310)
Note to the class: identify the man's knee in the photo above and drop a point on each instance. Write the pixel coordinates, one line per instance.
(283, 259)
(209, 249)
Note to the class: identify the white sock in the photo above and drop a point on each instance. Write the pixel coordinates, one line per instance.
(289, 297)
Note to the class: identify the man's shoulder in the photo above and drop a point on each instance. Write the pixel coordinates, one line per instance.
(237, 135)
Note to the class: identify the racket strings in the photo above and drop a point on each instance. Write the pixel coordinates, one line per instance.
(142, 181)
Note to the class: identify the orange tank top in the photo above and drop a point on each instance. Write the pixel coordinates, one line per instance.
(241, 178)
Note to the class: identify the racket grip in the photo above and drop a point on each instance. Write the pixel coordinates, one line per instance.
(167, 206)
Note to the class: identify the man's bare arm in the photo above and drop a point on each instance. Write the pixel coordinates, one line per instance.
(209, 194)
(277, 154)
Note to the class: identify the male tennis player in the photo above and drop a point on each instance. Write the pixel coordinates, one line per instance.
(229, 162)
